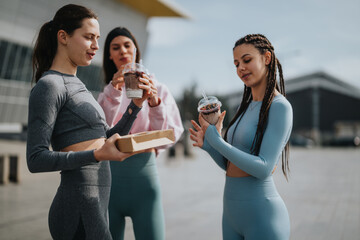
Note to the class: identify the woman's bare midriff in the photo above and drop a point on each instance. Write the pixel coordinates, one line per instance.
(86, 145)
(234, 171)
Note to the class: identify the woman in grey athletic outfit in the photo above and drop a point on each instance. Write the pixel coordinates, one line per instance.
(65, 115)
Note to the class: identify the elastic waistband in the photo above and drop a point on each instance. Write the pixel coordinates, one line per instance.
(142, 164)
(96, 175)
(249, 188)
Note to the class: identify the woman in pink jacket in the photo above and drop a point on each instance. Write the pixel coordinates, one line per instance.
(135, 188)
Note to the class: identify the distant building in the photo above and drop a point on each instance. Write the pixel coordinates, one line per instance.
(326, 109)
(20, 22)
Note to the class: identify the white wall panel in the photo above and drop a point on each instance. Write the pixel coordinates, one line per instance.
(20, 20)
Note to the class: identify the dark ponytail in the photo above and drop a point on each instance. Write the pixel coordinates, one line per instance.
(68, 18)
(44, 50)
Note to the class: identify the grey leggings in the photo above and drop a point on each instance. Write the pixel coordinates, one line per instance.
(79, 209)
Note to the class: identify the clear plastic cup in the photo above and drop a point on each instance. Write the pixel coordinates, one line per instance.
(209, 108)
(132, 72)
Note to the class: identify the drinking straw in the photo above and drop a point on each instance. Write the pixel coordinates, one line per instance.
(134, 56)
(204, 95)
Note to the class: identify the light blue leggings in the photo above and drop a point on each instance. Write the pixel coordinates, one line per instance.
(253, 210)
(135, 192)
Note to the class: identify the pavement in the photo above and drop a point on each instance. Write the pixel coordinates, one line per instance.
(322, 196)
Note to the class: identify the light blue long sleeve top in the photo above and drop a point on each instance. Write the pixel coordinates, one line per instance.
(241, 135)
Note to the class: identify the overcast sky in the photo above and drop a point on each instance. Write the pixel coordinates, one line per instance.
(308, 36)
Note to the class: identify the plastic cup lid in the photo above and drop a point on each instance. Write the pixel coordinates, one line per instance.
(208, 104)
(131, 67)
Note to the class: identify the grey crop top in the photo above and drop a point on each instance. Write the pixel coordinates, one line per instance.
(63, 112)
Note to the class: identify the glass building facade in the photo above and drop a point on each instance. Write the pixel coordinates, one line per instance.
(16, 64)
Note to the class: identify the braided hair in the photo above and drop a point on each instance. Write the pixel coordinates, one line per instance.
(263, 45)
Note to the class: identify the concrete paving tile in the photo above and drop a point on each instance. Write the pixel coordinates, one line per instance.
(322, 196)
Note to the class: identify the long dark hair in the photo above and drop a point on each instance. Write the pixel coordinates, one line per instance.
(263, 45)
(68, 18)
(108, 64)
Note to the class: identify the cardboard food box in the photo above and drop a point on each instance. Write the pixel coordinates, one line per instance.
(145, 140)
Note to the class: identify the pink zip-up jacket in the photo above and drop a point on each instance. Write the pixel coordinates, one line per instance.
(164, 116)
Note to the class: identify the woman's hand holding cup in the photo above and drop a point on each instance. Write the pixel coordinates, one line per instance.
(118, 79)
(153, 99)
(205, 124)
(219, 124)
(149, 92)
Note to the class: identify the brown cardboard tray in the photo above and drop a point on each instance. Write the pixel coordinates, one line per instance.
(145, 140)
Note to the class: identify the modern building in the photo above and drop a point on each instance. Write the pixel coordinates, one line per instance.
(326, 110)
(20, 21)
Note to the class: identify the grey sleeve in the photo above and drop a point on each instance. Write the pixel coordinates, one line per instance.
(124, 125)
(46, 100)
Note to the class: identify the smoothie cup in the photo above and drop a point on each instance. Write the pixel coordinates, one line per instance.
(132, 72)
(209, 108)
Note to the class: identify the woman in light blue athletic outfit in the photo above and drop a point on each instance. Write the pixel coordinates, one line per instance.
(253, 143)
